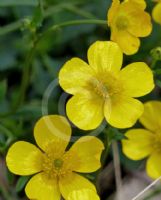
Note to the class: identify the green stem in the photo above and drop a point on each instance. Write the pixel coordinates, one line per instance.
(10, 27)
(154, 61)
(117, 169)
(72, 23)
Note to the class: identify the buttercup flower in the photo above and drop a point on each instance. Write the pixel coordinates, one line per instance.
(142, 143)
(128, 22)
(54, 167)
(101, 89)
(84, 194)
(157, 12)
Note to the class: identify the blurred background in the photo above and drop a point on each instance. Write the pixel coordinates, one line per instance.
(28, 69)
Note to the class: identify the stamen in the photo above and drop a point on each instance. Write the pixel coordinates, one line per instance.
(58, 163)
(122, 22)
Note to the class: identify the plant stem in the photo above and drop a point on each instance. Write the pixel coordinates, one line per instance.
(117, 169)
(10, 27)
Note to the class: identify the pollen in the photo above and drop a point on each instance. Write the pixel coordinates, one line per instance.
(57, 163)
(107, 86)
(122, 23)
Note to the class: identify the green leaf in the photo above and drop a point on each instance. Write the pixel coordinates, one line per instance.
(3, 89)
(37, 18)
(158, 83)
(115, 134)
(21, 183)
(18, 3)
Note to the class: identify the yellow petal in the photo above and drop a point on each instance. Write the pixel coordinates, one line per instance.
(123, 112)
(74, 182)
(139, 144)
(151, 117)
(157, 13)
(85, 110)
(137, 79)
(88, 149)
(140, 3)
(24, 158)
(52, 129)
(112, 11)
(153, 166)
(83, 194)
(74, 75)
(40, 187)
(127, 42)
(105, 56)
(139, 21)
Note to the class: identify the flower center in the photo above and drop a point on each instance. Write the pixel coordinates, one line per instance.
(58, 163)
(122, 23)
(105, 85)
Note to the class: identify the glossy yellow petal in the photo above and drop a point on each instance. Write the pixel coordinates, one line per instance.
(74, 75)
(139, 144)
(52, 129)
(151, 117)
(24, 158)
(139, 21)
(137, 79)
(112, 11)
(89, 150)
(105, 56)
(153, 166)
(157, 13)
(123, 112)
(83, 194)
(140, 3)
(40, 187)
(127, 42)
(85, 110)
(74, 182)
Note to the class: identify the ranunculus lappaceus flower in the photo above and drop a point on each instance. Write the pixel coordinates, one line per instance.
(54, 167)
(157, 12)
(102, 89)
(146, 143)
(83, 194)
(129, 21)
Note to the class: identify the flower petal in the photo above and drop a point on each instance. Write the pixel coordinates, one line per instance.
(74, 75)
(153, 166)
(141, 3)
(85, 110)
(74, 182)
(52, 129)
(137, 79)
(151, 117)
(139, 21)
(112, 11)
(156, 13)
(105, 56)
(123, 112)
(88, 149)
(24, 158)
(128, 43)
(84, 194)
(40, 187)
(138, 144)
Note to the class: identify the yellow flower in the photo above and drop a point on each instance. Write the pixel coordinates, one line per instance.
(101, 89)
(128, 22)
(157, 12)
(84, 194)
(54, 167)
(142, 143)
